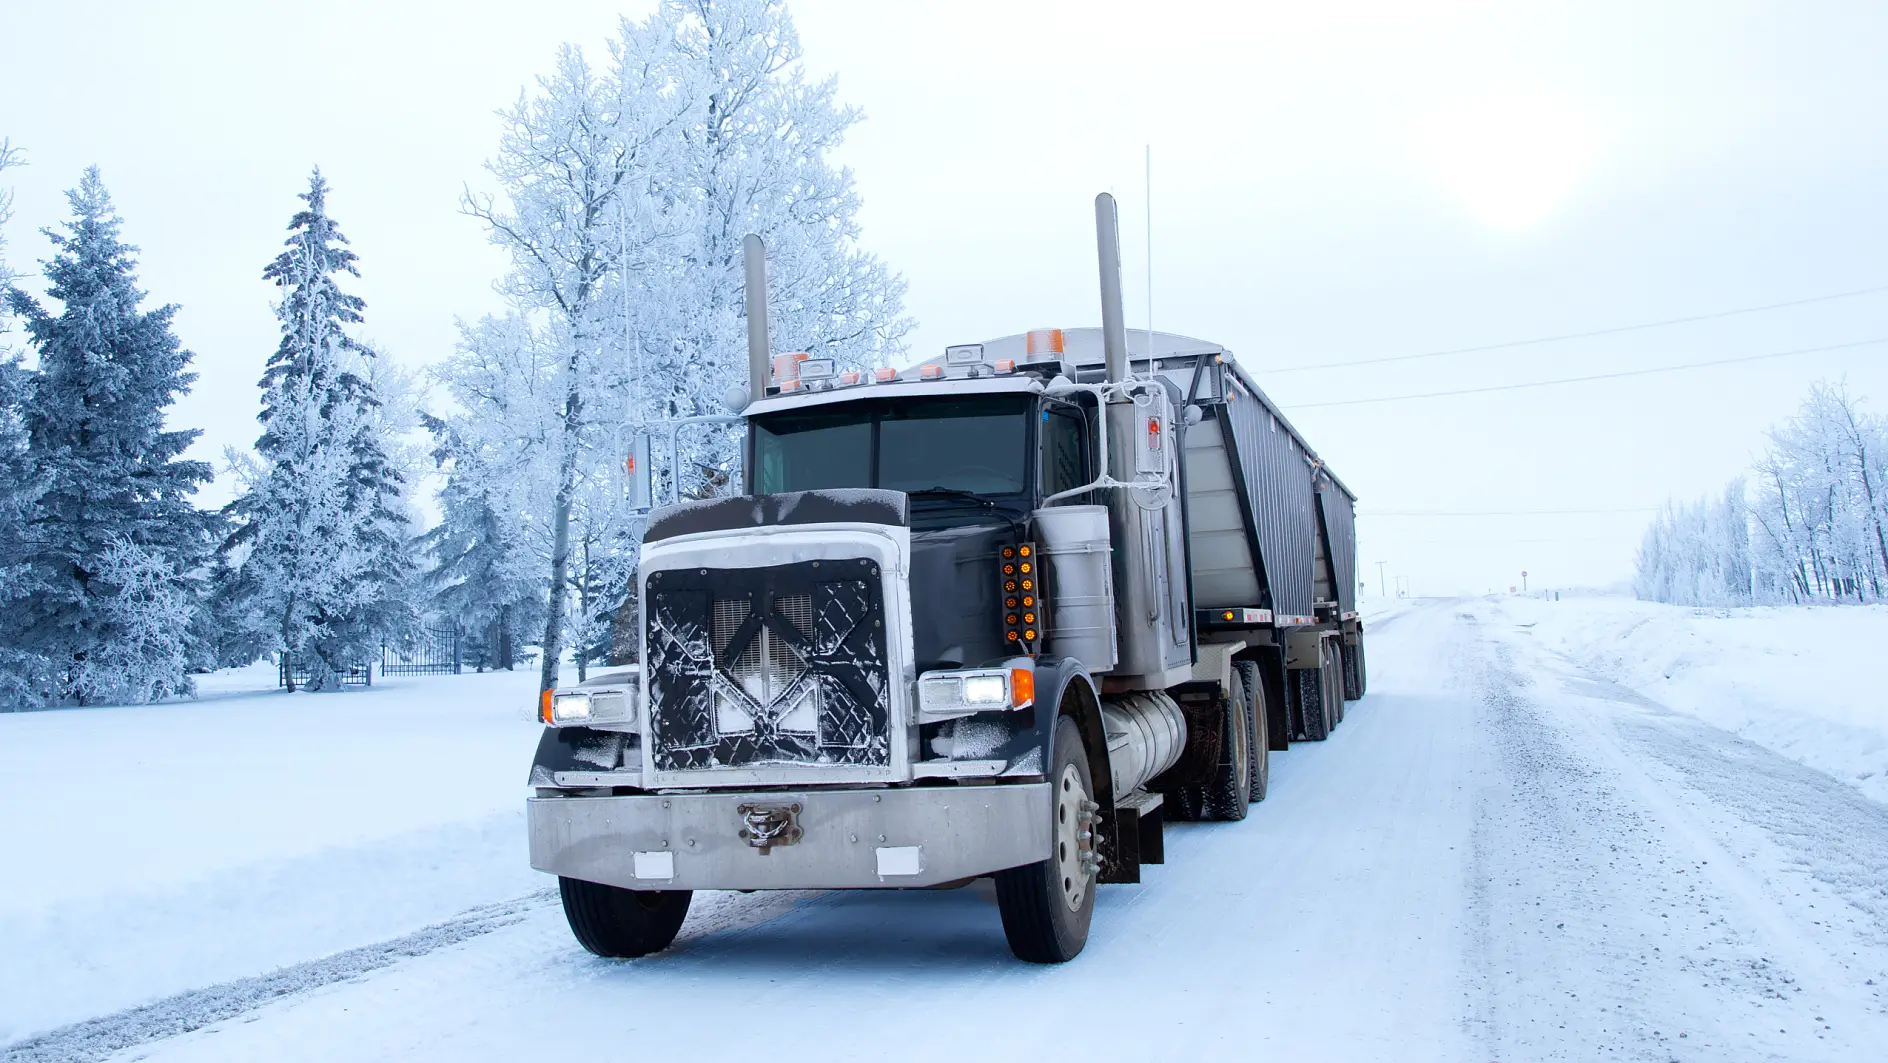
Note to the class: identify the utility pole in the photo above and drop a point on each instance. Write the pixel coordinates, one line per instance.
(1524, 581)
(1381, 592)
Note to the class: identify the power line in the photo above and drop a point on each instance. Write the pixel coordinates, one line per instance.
(1582, 335)
(1502, 512)
(1586, 379)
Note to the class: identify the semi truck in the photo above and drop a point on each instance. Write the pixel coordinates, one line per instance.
(1003, 614)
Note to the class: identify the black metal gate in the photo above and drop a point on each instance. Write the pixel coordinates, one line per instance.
(431, 651)
(304, 669)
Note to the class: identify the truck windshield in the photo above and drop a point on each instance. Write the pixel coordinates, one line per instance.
(977, 445)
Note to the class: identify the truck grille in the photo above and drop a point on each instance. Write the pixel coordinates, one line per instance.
(780, 665)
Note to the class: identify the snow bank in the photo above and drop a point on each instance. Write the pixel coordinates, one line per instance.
(156, 849)
(1810, 683)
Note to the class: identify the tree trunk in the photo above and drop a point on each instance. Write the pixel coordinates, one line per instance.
(506, 656)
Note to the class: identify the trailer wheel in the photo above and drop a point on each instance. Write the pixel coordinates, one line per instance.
(1314, 705)
(1048, 905)
(1354, 670)
(621, 924)
(1259, 760)
(1231, 789)
(1363, 672)
(1334, 681)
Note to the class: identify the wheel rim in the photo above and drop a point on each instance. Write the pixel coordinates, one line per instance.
(1074, 837)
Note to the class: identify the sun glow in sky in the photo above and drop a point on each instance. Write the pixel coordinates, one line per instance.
(1511, 159)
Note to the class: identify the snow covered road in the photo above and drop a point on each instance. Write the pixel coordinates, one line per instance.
(1498, 856)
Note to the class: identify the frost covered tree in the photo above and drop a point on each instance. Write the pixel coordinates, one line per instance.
(626, 194)
(573, 164)
(114, 551)
(318, 568)
(17, 476)
(1698, 553)
(1813, 527)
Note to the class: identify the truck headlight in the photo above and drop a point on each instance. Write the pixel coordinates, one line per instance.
(560, 709)
(952, 694)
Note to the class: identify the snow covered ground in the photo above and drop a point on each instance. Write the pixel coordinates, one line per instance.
(1511, 850)
(154, 850)
(1809, 683)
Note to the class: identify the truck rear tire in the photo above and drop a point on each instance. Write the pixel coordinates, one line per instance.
(1260, 759)
(1353, 670)
(621, 924)
(1231, 789)
(1047, 906)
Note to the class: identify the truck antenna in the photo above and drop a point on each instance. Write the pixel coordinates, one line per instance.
(1148, 179)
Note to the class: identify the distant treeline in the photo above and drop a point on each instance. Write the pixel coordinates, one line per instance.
(1808, 524)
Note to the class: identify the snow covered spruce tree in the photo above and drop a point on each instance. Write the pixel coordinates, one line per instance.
(112, 563)
(19, 483)
(484, 574)
(627, 197)
(318, 568)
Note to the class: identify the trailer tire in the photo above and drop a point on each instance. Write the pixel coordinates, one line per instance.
(1231, 789)
(1047, 906)
(1363, 672)
(1314, 705)
(1352, 671)
(1260, 760)
(1334, 681)
(621, 924)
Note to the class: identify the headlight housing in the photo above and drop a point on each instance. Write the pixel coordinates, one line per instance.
(564, 709)
(949, 695)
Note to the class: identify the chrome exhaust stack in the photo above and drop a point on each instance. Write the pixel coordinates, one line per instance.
(1114, 328)
(754, 296)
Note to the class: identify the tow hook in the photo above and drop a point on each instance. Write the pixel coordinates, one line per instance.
(765, 826)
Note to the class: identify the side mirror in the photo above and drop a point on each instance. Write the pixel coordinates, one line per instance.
(1193, 414)
(735, 398)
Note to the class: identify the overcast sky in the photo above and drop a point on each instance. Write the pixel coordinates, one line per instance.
(1331, 182)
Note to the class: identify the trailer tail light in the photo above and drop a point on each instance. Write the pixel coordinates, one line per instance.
(1153, 433)
(1023, 622)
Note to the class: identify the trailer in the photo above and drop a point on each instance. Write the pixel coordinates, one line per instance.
(1003, 614)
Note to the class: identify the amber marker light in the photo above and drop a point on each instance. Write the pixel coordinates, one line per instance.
(544, 707)
(1022, 687)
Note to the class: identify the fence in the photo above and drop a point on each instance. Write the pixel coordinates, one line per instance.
(306, 668)
(433, 651)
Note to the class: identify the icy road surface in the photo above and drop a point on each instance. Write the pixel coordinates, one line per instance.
(1498, 856)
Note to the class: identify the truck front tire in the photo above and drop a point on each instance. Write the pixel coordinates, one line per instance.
(621, 924)
(1047, 906)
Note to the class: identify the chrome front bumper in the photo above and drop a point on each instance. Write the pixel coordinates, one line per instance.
(841, 839)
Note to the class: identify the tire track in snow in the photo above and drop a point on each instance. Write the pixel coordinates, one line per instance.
(99, 1038)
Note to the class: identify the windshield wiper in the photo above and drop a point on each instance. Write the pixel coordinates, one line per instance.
(952, 492)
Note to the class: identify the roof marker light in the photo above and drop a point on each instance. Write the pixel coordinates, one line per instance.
(1042, 345)
(849, 378)
(884, 374)
(1005, 366)
(931, 372)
